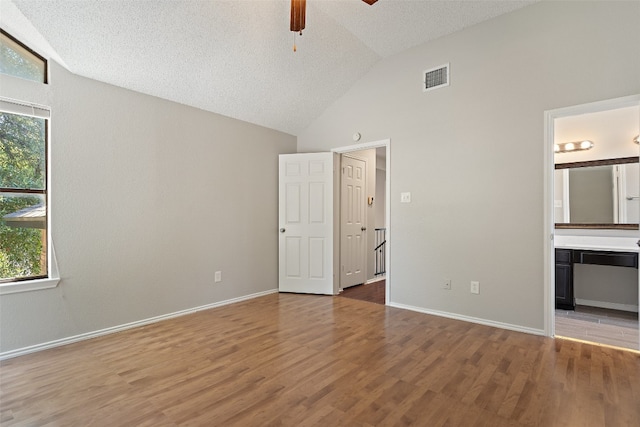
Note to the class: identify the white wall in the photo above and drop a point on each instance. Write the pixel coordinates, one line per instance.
(606, 286)
(149, 198)
(610, 131)
(472, 153)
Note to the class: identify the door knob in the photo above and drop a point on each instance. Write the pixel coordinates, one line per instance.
(282, 230)
(363, 228)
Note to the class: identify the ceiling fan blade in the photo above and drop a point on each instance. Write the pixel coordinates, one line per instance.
(369, 2)
(298, 12)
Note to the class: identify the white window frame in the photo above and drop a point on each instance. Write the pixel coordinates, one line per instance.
(13, 106)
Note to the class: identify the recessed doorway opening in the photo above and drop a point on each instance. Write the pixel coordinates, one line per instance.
(591, 250)
(377, 204)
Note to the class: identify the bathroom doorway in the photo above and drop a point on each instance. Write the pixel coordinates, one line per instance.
(593, 188)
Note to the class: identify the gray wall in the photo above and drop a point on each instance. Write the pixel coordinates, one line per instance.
(601, 285)
(149, 198)
(472, 153)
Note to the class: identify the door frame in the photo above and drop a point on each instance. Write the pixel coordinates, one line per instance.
(549, 167)
(387, 209)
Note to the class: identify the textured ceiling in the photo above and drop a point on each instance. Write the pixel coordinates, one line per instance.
(235, 57)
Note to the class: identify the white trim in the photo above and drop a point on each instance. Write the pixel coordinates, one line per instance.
(24, 108)
(375, 279)
(620, 193)
(119, 328)
(28, 285)
(470, 319)
(548, 205)
(549, 292)
(36, 284)
(610, 305)
(387, 256)
(596, 107)
(566, 206)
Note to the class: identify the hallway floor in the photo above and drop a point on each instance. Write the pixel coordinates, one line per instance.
(372, 292)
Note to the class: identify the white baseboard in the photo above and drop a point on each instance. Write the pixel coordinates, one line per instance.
(113, 329)
(375, 279)
(470, 319)
(609, 305)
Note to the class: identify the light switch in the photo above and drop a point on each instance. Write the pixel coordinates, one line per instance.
(557, 203)
(405, 197)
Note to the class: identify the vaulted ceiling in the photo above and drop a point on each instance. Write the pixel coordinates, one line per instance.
(236, 57)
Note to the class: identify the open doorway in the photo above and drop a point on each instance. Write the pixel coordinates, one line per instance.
(593, 188)
(308, 220)
(375, 285)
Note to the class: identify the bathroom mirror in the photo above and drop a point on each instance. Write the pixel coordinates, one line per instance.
(597, 194)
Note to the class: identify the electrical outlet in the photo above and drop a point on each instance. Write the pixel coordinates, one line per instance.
(217, 276)
(447, 284)
(475, 287)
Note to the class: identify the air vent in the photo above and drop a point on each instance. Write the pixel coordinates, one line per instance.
(436, 78)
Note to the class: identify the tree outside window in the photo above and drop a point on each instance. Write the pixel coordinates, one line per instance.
(23, 212)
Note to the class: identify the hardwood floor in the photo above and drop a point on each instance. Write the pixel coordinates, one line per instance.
(303, 360)
(372, 292)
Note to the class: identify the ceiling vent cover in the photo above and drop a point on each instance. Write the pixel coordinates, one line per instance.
(436, 78)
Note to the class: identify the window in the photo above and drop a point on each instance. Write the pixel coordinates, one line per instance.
(23, 197)
(25, 259)
(18, 60)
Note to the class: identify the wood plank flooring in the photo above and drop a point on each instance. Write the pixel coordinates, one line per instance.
(304, 360)
(372, 292)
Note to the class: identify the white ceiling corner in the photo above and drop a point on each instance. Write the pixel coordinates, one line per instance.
(14, 22)
(235, 57)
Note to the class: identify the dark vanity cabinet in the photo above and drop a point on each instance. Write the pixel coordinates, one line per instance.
(567, 258)
(564, 280)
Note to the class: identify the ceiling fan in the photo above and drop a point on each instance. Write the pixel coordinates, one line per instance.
(298, 13)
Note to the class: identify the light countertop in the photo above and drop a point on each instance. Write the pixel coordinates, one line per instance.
(597, 243)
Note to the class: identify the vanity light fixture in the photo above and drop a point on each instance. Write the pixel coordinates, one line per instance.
(568, 147)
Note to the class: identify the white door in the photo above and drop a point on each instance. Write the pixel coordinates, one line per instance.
(353, 222)
(306, 223)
